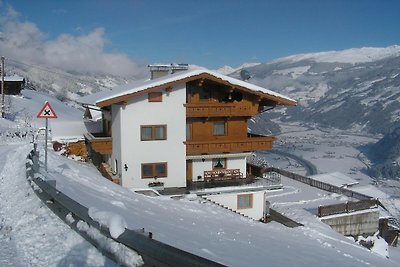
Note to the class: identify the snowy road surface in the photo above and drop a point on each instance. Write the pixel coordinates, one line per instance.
(30, 234)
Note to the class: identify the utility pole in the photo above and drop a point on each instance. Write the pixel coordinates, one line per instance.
(2, 87)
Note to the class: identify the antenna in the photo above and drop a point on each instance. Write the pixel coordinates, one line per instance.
(245, 74)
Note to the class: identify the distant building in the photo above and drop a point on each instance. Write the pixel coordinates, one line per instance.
(13, 85)
(180, 127)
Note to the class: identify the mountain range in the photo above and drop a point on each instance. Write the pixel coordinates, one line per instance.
(357, 89)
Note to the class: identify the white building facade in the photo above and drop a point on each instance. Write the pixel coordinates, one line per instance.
(165, 154)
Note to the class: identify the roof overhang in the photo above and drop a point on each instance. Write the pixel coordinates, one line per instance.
(168, 83)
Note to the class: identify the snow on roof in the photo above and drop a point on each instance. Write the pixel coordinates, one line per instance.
(13, 78)
(141, 85)
(335, 178)
(67, 131)
(371, 191)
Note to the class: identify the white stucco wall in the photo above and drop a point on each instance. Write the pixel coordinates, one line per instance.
(134, 152)
(229, 200)
(116, 139)
(231, 163)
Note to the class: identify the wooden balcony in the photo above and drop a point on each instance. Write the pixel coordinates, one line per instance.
(229, 146)
(197, 110)
(222, 175)
(102, 145)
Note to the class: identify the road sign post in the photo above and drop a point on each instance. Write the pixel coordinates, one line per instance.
(47, 112)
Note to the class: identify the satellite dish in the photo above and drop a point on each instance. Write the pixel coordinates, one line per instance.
(245, 74)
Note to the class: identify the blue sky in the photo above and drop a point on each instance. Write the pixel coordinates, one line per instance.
(216, 33)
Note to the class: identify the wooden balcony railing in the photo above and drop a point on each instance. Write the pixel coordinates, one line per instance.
(219, 110)
(102, 145)
(229, 146)
(222, 174)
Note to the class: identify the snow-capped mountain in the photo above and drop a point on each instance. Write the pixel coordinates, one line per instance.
(226, 70)
(349, 89)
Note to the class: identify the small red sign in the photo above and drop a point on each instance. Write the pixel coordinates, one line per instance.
(47, 112)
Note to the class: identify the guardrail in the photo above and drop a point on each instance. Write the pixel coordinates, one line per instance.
(153, 252)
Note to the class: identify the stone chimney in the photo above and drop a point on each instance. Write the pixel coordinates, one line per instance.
(160, 70)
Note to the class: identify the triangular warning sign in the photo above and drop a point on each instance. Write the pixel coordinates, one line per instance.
(47, 112)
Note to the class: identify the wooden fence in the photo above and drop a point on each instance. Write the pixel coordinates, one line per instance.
(318, 184)
(347, 207)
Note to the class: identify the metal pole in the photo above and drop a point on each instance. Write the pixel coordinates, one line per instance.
(45, 145)
(2, 87)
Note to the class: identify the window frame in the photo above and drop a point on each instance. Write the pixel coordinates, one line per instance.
(189, 131)
(225, 128)
(204, 94)
(153, 132)
(250, 196)
(155, 97)
(223, 162)
(153, 170)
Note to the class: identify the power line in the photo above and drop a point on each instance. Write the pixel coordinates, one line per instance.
(71, 77)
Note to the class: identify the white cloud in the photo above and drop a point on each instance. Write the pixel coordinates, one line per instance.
(23, 41)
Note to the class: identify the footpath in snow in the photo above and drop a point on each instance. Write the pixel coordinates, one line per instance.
(30, 234)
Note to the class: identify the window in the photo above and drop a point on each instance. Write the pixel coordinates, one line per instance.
(188, 131)
(155, 97)
(154, 170)
(219, 163)
(245, 201)
(153, 132)
(204, 94)
(219, 128)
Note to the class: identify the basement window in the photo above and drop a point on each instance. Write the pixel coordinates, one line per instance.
(245, 201)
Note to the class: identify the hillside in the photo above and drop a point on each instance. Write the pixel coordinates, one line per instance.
(63, 84)
(386, 155)
(354, 89)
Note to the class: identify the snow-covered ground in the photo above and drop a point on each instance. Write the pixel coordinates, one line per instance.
(207, 230)
(30, 234)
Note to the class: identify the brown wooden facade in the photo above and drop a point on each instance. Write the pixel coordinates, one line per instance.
(210, 103)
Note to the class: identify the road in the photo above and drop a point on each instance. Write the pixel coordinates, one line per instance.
(310, 168)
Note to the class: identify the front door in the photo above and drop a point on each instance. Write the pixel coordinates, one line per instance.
(189, 170)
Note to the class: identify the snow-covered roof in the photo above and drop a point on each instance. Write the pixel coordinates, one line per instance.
(335, 178)
(13, 78)
(371, 191)
(67, 131)
(115, 95)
